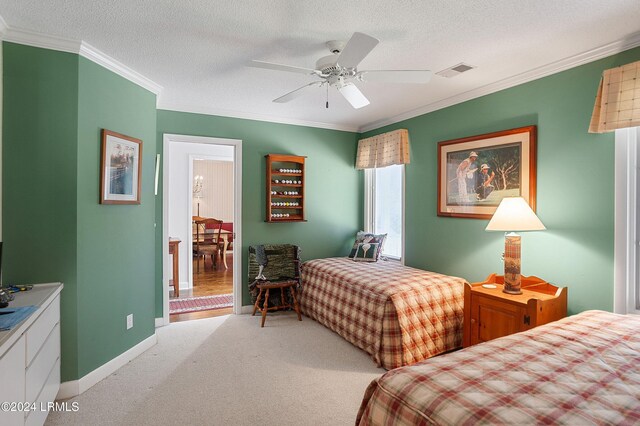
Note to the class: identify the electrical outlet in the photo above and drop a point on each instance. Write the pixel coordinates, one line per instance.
(129, 321)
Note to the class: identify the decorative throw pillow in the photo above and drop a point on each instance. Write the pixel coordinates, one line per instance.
(366, 237)
(366, 252)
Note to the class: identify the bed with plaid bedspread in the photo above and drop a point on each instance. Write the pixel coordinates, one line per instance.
(397, 314)
(581, 370)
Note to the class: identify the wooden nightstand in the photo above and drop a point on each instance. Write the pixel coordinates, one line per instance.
(489, 313)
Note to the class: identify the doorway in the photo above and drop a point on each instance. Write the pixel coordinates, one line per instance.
(202, 209)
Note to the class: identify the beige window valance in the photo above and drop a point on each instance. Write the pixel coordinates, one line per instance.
(383, 150)
(618, 100)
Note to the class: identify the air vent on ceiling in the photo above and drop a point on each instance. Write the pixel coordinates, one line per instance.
(455, 70)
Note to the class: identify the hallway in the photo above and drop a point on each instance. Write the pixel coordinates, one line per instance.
(207, 282)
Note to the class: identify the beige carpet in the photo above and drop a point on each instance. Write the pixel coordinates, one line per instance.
(229, 371)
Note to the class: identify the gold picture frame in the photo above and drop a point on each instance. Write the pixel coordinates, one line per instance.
(476, 172)
(120, 169)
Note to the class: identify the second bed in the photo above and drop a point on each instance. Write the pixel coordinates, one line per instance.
(397, 314)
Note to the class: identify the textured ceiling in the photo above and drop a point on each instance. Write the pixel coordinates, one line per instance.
(197, 49)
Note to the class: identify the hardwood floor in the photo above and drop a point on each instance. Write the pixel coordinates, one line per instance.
(207, 282)
(200, 314)
(213, 281)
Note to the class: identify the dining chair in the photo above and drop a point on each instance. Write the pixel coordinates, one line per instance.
(228, 227)
(207, 244)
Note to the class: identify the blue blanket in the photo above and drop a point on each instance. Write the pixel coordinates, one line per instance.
(16, 315)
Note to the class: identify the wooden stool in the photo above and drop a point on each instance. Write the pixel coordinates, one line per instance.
(268, 285)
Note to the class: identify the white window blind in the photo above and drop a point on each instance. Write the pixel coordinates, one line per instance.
(384, 207)
(627, 222)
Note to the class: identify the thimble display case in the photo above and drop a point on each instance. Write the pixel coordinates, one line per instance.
(285, 188)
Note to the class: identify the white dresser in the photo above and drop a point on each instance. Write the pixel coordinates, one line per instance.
(30, 358)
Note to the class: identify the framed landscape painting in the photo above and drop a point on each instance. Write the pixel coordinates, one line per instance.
(120, 169)
(475, 173)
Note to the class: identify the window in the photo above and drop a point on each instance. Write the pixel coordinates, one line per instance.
(627, 222)
(384, 207)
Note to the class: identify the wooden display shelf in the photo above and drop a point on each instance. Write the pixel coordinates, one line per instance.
(292, 218)
(275, 172)
(275, 162)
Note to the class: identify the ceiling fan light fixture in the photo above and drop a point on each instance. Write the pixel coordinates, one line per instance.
(340, 68)
(353, 95)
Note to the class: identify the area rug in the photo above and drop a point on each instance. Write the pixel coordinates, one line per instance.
(201, 303)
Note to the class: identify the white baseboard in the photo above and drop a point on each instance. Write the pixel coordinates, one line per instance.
(68, 390)
(160, 322)
(246, 309)
(76, 387)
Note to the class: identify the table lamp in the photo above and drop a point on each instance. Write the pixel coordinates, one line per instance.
(513, 214)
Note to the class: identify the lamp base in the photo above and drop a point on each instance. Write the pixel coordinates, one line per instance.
(512, 277)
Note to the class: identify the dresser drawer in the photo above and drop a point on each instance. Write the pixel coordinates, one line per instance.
(41, 329)
(48, 394)
(42, 364)
(12, 382)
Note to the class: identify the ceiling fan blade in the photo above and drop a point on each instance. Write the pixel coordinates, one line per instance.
(358, 46)
(296, 93)
(279, 67)
(353, 95)
(397, 76)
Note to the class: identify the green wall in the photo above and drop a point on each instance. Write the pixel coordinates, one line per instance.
(110, 257)
(575, 186)
(333, 186)
(54, 229)
(39, 175)
(116, 262)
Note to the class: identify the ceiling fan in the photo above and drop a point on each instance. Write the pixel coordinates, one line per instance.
(340, 70)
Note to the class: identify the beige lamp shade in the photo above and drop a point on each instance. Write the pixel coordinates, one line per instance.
(514, 214)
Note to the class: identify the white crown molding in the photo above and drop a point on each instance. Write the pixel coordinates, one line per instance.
(35, 39)
(525, 77)
(100, 58)
(169, 106)
(32, 38)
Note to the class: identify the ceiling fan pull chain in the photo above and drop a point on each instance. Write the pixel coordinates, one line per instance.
(327, 105)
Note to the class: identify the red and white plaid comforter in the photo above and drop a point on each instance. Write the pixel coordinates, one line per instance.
(399, 315)
(581, 370)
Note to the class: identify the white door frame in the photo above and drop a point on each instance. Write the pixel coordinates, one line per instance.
(237, 214)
